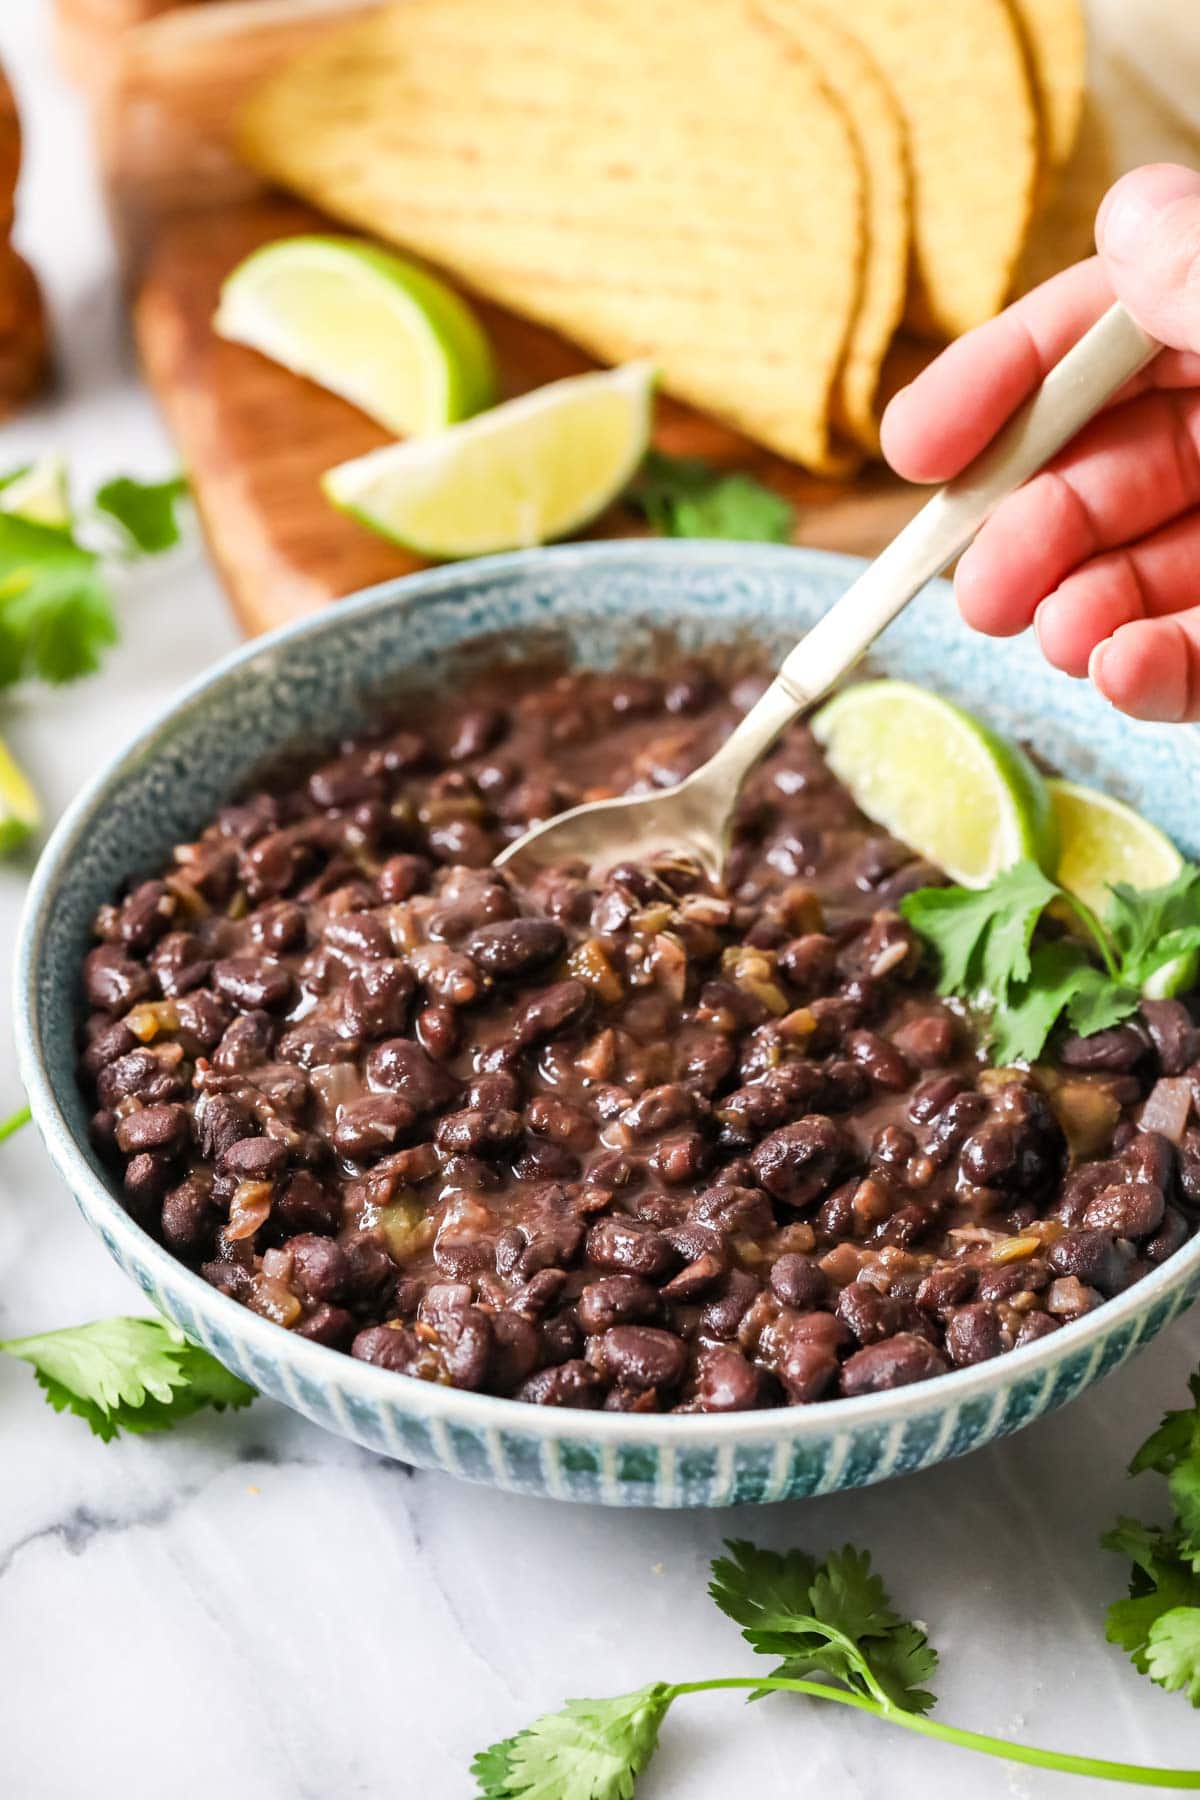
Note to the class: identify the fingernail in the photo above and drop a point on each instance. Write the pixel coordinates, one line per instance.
(1132, 206)
(1096, 666)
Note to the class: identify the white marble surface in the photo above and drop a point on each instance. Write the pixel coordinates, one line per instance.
(251, 1608)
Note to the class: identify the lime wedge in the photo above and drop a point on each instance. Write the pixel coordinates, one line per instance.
(937, 779)
(534, 469)
(40, 493)
(371, 326)
(1102, 841)
(20, 813)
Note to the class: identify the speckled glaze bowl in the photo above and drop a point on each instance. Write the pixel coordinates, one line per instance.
(601, 603)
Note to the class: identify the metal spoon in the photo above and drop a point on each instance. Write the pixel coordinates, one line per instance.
(696, 816)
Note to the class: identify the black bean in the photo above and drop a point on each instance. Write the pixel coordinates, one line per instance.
(403, 876)
(1092, 1256)
(721, 1317)
(630, 1245)
(516, 1351)
(1034, 1326)
(369, 1127)
(253, 982)
(639, 1356)
(278, 926)
(359, 934)
(321, 1270)
(153, 1128)
(1167, 1239)
(302, 1203)
(189, 1217)
(478, 1133)
(571, 1384)
(869, 1314)
(896, 1362)
(1172, 1033)
(973, 1334)
(885, 1065)
(114, 982)
(1002, 1280)
(547, 1012)
(255, 1159)
(515, 947)
(246, 1045)
(951, 1285)
(798, 1163)
(1133, 1209)
(403, 1067)
(741, 1210)
(618, 1300)
(325, 1324)
(1116, 1050)
(799, 1281)
(725, 1381)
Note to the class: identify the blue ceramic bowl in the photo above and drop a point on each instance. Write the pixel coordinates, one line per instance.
(601, 603)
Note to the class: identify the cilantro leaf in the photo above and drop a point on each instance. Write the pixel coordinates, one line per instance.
(1173, 1652)
(591, 1750)
(127, 1374)
(751, 1585)
(682, 496)
(1138, 919)
(1176, 1436)
(55, 614)
(982, 935)
(146, 511)
(833, 1618)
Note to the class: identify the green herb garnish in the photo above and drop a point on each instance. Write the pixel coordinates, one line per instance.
(146, 511)
(839, 1638)
(1159, 1623)
(128, 1374)
(681, 496)
(56, 609)
(988, 956)
(14, 1122)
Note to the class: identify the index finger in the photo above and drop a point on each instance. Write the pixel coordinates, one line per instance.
(943, 419)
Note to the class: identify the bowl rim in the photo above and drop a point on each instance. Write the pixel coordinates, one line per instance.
(322, 1364)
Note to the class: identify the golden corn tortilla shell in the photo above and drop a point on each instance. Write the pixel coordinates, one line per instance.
(1064, 230)
(1056, 43)
(691, 196)
(878, 127)
(958, 71)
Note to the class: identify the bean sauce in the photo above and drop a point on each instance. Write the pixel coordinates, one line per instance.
(612, 1140)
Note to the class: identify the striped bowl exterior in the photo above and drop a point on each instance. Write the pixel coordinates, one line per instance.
(598, 602)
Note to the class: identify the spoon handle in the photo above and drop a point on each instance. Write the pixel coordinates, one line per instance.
(1072, 392)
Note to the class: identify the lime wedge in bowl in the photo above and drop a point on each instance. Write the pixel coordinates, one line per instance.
(534, 469)
(20, 813)
(377, 329)
(1103, 841)
(937, 779)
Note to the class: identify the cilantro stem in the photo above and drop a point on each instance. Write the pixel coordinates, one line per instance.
(10, 1126)
(1136, 1773)
(1096, 931)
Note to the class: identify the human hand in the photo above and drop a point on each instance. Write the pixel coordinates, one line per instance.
(1100, 551)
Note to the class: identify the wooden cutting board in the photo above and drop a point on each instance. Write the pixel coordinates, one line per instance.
(256, 439)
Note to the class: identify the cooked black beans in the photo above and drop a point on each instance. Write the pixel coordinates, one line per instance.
(614, 1139)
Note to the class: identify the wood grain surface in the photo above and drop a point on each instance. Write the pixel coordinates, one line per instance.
(256, 439)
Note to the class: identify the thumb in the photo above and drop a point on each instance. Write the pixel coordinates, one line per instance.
(1148, 236)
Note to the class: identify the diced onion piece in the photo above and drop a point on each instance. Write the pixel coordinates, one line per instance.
(1167, 1107)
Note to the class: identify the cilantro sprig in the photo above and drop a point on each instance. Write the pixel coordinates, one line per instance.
(127, 1374)
(840, 1640)
(1022, 984)
(1158, 1624)
(15, 1122)
(682, 496)
(57, 617)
